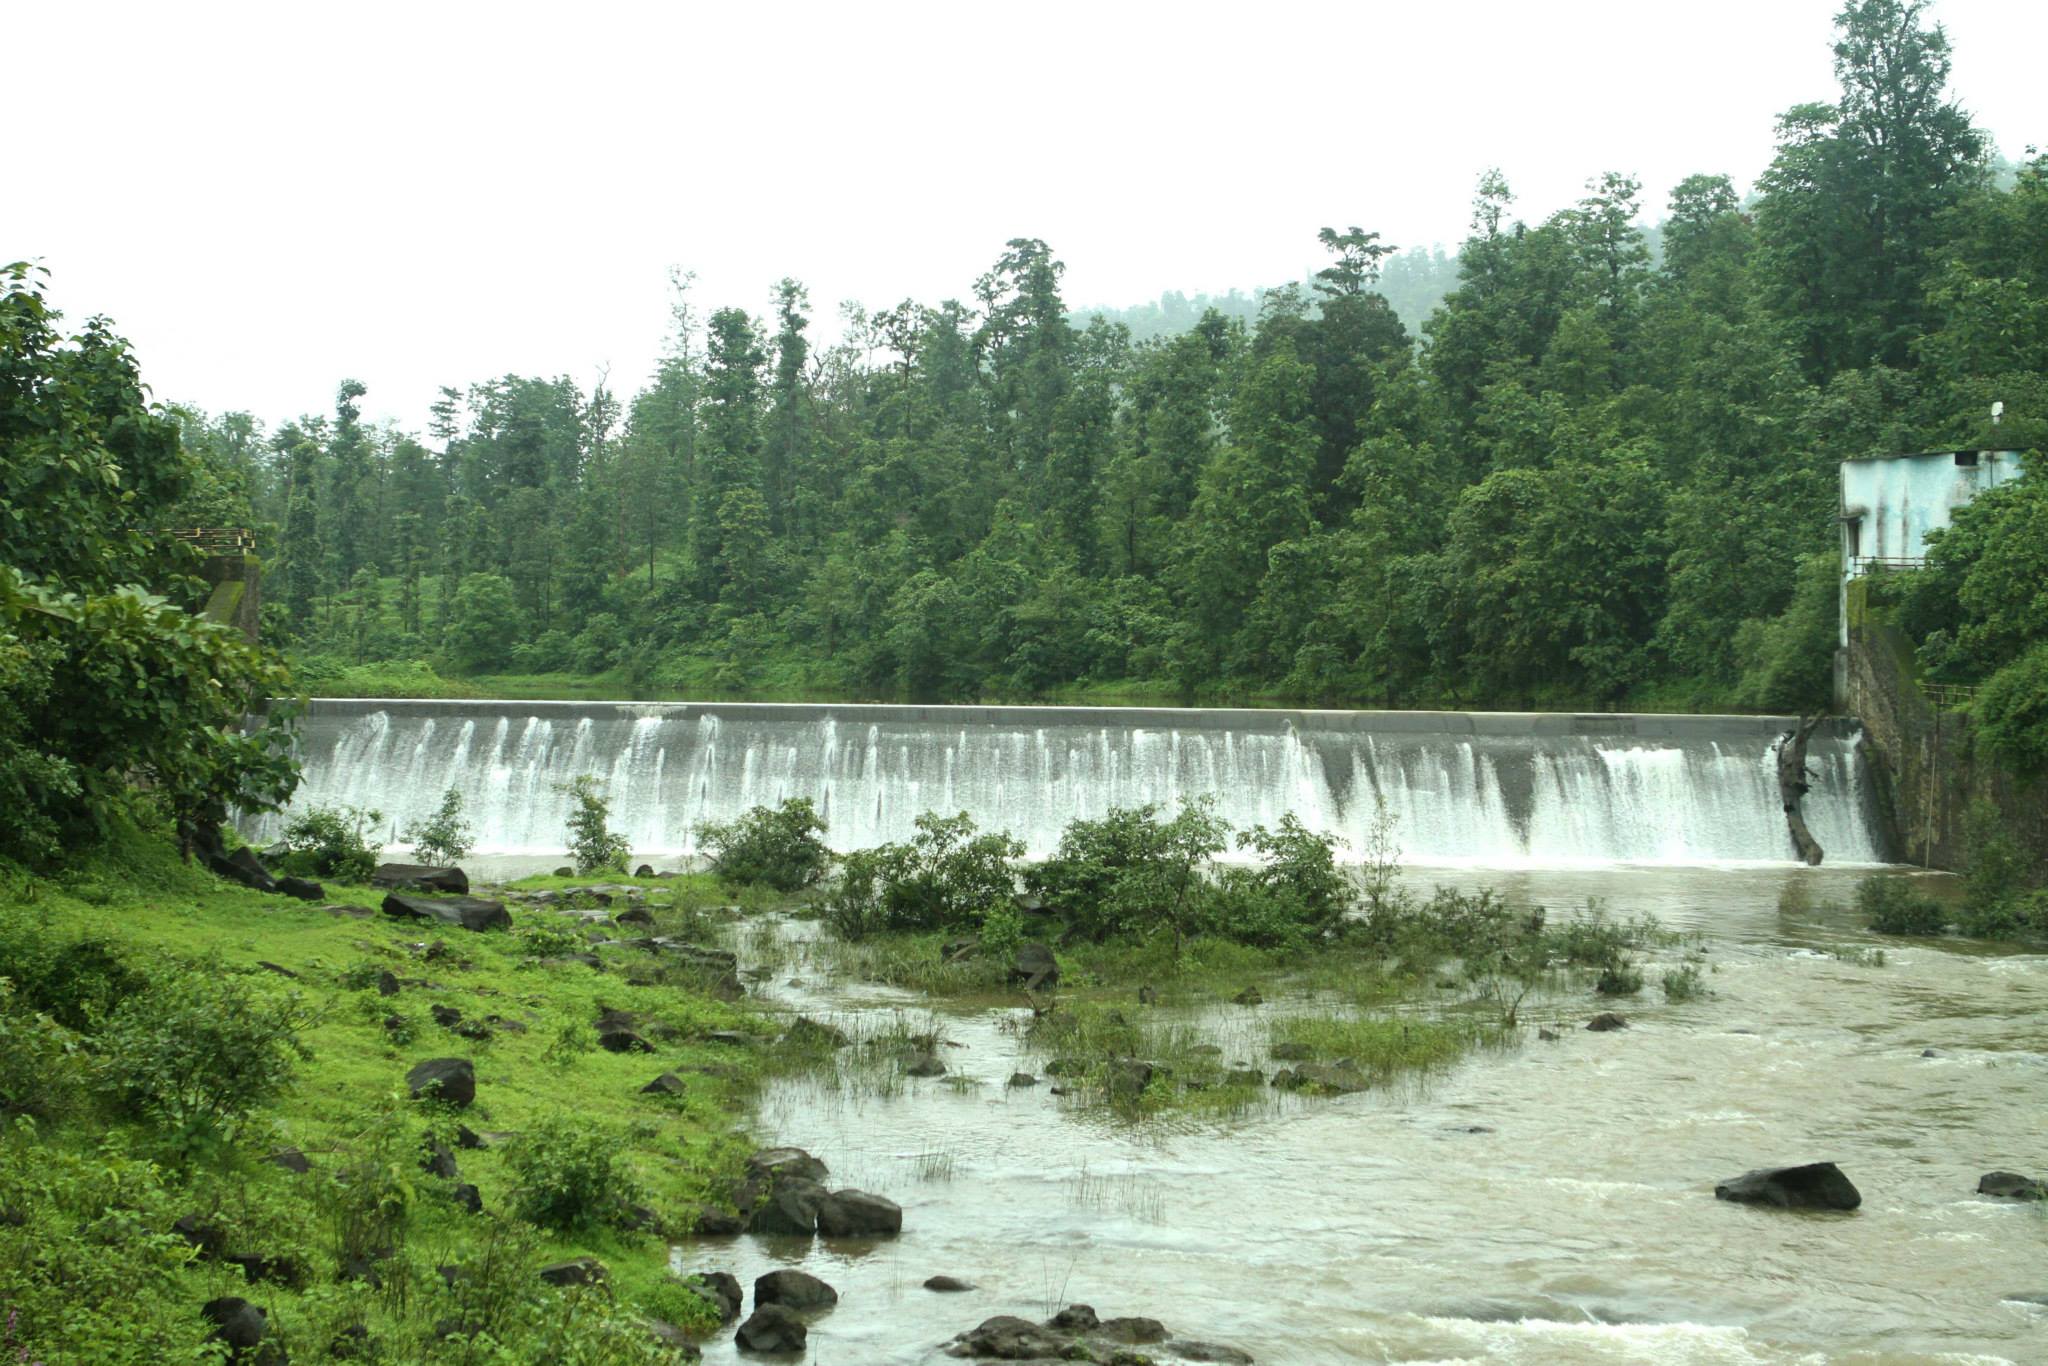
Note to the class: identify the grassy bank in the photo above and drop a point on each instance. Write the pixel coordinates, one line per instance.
(135, 1096)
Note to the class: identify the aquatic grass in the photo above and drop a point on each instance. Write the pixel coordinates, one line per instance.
(1382, 1048)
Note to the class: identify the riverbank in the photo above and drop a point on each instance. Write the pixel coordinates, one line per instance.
(145, 1155)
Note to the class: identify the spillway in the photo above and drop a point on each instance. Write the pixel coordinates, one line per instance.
(1485, 788)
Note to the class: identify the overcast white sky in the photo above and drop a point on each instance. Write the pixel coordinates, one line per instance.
(269, 198)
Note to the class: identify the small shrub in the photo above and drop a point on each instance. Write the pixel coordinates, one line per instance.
(778, 847)
(1131, 873)
(373, 1193)
(946, 878)
(570, 1177)
(592, 844)
(1619, 979)
(444, 836)
(200, 1049)
(1890, 905)
(1684, 984)
(1294, 895)
(332, 842)
(674, 1300)
(551, 940)
(72, 980)
(42, 1065)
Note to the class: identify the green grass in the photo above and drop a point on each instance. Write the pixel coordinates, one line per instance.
(541, 1063)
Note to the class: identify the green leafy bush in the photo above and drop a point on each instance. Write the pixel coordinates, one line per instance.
(42, 1064)
(1131, 873)
(1295, 895)
(570, 1176)
(1684, 984)
(444, 836)
(1619, 979)
(776, 847)
(946, 878)
(75, 981)
(200, 1049)
(592, 844)
(1890, 905)
(332, 841)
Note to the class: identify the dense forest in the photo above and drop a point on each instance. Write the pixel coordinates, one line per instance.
(1597, 476)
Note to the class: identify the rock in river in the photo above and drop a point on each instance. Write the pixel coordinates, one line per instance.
(1816, 1185)
(794, 1290)
(772, 1328)
(2011, 1186)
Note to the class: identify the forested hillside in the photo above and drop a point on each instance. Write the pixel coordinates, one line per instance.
(1592, 479)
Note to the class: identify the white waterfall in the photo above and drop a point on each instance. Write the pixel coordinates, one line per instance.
(1485, 788)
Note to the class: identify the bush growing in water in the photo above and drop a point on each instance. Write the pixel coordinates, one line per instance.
(1293, 896)
(444, 836)
(1996, 904)
(1684, 984)
(1890, 905)
(570, 1177)
(778, 847)
(592, 844)
(946, 878)
(332, 841)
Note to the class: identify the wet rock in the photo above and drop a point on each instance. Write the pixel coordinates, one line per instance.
(635, 915)
(237, 865)
(446, 1079)
(772, 1328)
(1605, 1021)
(1133, 1332)
(1291, 1052)
(1188, 1349)
(1075, 1318)
(776, 1164)
(1816, 1185)
(445, 1016)
(1128, 1078)
(468, 1138)
(722, 1288)
(387, 983)
(1007, 1338)
(241, 1326)
(2011, 1186)
(948, 1285)
(923, 1065)
(713, 1222)
(576, 1271)
(857, 1214)
(420, 877)
(667, 1084)
(463, 912)
(1034, 968)
(438, 1161)
(644, 870)
(291, 1159)
(1931, 1053)
(2039, 1297)
(790, 1208)
(1331, 1078)
(621, 1040)
(1548, 1035)
(468, 1197)
(805, 1032)
(1018, 1079)
(796, 1290)
(565, 872)
(1250, 996)
(301, 889)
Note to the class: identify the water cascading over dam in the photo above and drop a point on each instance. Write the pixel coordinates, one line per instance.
(1492, 788)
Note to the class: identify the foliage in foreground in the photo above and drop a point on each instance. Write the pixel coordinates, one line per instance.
(593, 844)
(779, 847)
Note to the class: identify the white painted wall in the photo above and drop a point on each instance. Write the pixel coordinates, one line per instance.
(1891, 502)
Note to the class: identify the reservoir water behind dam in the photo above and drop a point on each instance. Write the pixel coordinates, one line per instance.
(1546, 1203)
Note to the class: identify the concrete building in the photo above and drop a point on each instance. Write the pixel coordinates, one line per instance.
(1891, 502)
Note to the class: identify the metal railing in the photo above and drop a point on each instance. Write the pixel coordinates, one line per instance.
(1859, 564)
(1950, 696)
(215, 540)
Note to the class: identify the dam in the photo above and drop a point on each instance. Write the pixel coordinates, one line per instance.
(1482, 788)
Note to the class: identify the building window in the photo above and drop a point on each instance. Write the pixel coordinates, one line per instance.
(1852, 535)
(1966, 460)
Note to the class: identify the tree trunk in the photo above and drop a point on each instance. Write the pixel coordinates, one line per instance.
(1792, 787)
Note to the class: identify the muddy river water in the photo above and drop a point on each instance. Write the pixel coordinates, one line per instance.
(1547, 1203)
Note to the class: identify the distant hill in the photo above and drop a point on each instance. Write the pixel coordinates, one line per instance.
(1414, 281)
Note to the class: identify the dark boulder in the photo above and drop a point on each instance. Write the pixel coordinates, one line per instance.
(772, 1328)
(301, 889)
(1075, 1318)
(1187, 1349)
(923, 1065)
(463, 912)
(240, 1325)
(797, 1290)
(1128, 1077)
(1606, 1020)
(713, 1222)
(238, 865)
(1134, 1332)
(1291, 1052)
(289, 1272)
(722, 1288)
(947, 1285)
(576, 1271)
(1327, 1078)
(565, 872)
(209, 1240)
(387, 983)
(291, 1159)
(1034, 968)
(437, 1160)
(635, 915)
(856, 1214)
(468, 1197)
(775, 1164)
(805, 1032)
(2011, 1186)
(1816, 1185)
(1250, 996)
(420, 877)
(667, 1084)
(447, 1079)
(1020, 1079)
(445, 1016)
(619, 1039)
(1008, 1338)
(790, 1208)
